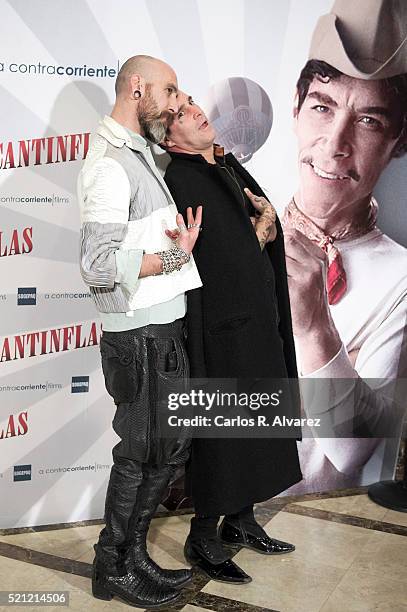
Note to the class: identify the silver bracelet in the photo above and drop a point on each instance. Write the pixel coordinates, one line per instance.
(173, 259)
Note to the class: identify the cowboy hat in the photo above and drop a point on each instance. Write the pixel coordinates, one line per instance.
(364, 39)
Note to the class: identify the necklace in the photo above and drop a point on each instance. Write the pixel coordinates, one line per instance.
(232, 176)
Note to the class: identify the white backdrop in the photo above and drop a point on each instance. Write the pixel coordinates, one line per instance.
(55, 416)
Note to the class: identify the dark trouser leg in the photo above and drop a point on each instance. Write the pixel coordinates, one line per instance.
(246, 516)
(204, 527)
(136, 365)
(171, 368)
(204, 535)
(123, 381)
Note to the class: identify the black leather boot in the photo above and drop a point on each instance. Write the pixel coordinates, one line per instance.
(110, 576)
(155, 481)
(121, 497)
(243, 530)
(133, 588)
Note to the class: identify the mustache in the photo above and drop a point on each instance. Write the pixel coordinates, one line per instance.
(165, 114)
(351, 173)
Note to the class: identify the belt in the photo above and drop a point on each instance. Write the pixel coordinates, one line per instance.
(176, 329)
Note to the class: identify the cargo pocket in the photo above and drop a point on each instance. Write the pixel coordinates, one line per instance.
(120, 369)
(171, 358)
(172, 371)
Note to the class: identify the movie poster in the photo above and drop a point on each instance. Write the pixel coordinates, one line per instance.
(241, 61)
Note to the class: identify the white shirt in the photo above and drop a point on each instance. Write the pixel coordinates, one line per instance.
(371, 321)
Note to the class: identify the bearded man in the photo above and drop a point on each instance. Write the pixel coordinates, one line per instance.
(137, 277)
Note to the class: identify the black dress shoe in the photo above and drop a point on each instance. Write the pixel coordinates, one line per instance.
(240, 534)
(132, 588)
(208, 555)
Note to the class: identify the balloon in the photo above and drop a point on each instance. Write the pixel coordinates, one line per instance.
(242, 115)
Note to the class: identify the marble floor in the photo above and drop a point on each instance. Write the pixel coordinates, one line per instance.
(351, 555)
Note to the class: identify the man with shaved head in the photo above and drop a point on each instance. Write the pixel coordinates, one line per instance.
(138, 277)
(152, 121)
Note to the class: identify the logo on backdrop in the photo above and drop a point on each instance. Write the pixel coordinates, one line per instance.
(80, 384)
(67, 295)
(18, 242)
(16, 425)
(27, 296)
(39, 68)
(28, 386)
(45, 150)
(45, 342)
(90, 467)
(41, 199)
(22, 472)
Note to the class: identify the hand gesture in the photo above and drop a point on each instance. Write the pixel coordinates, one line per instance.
(306, 276)
(185, 237)
(265, 222)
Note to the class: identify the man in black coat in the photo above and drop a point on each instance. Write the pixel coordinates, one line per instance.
(239, 326)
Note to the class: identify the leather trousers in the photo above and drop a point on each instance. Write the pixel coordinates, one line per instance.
(140, 366)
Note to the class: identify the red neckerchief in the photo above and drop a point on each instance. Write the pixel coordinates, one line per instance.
(336, 275)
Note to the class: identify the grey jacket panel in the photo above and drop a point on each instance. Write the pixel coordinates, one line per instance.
(99, 241)
(146, 190)
(110, 300)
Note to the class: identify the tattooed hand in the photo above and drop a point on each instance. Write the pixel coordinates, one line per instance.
(265, 223)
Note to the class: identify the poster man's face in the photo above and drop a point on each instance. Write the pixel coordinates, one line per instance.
(346, 131)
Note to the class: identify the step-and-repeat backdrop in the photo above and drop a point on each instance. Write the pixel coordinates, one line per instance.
(58, 64)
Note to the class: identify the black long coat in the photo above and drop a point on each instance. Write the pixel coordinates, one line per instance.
(234, 331)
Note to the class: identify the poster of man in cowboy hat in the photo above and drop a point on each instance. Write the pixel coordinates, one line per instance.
(347, 278)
